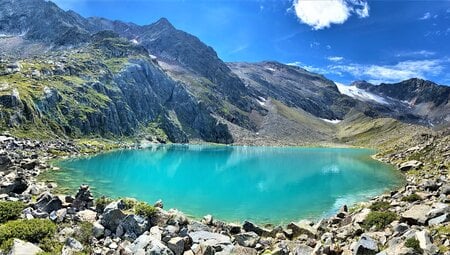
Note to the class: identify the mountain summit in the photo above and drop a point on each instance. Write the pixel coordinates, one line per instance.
(68, 75)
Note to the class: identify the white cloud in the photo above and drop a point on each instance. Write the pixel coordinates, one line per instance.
(426, 16)
(418, 53)
(321, 14)
(335, 58)
(393, 73)
(309, 68)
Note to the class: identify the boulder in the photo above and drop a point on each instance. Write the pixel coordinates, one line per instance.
(366, 246)
(98, 230)
(439, 220)
(176, 245)
(425, 242)
(417, 214)
(361, 216)
(302, 228)
(132, 226)
(210, 238)
(203, 249)
(303, 250)
(86, 215)
(250, 227)
(243, 250)
(72, 246)
(20, 247)
(247, 239)
(146, 244)
(112, 217)
(409, 165)
(445, 189)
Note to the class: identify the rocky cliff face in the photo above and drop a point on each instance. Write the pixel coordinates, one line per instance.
(65, 74)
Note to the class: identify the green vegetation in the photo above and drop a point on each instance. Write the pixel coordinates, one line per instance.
(102, 202)
(50, 246)
(414, 244)
(144, 209)
(380, 206)
(129, 203)
(412, 198)
(10, 210)
(379, 220)
(33, 230)
(84, 233)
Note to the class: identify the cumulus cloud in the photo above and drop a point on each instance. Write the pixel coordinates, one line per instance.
(320, 14)
(335, 58)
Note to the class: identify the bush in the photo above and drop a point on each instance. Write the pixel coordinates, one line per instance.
(28, 230)
(412, 198)
(102, 202)
(379, 219)
(10, 210)
(414, 244)
(144, 209)
(380, 206)
(129, 203)
(51, 246)
(84, 234)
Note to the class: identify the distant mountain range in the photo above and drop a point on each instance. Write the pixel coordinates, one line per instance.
(65, 75)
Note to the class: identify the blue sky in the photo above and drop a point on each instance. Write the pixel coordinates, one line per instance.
(346, 40)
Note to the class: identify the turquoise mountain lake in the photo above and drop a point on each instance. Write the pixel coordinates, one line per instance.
(262, 184)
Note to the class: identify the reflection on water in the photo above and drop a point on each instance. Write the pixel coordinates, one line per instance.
(235, 183)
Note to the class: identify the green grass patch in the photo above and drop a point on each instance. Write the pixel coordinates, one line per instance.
(380, 206)
(412, 198)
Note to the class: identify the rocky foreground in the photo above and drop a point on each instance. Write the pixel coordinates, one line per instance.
(35, 220)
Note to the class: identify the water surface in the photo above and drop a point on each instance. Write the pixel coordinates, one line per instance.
(262, 184)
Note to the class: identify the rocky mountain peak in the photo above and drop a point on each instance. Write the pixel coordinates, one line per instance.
(163, 23)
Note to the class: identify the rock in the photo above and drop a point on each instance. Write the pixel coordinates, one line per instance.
(71, 246)
(86, 215)
(111, 218)
(409, 165)
(98, 230)
(302, 227)
(233, 229)
(203, 249)
(53, 205)
(177, 218)
(20, 247)
(438, 209)
(401, 228)
(210, 238)
(146, 244)
(431, 185)
(159, 204)
(417, 214)
(425, 241)
(133, 226)
(365, 246)
(29, 164)
(83, 198)
(445, 189)
(247, 239)
(439, 220)
(176, 245)
(361, 216)
(303, 250)
(208, 219)
(250, 227)
(5, 162)
(244, 250)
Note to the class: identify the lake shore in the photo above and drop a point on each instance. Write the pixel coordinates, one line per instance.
(409, 220)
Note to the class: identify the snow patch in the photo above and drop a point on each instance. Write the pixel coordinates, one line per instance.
(270, 69)
(336, 121)
(360, 94)
(261, 101)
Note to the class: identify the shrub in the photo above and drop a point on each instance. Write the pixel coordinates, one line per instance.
(380, 206)
(129, 203)
(144, 209)
(414, 244)
(379, 219)
(102, 202)
(412, 198)
(28, 230)
(10, 210)
(84, 234)
(51, 246)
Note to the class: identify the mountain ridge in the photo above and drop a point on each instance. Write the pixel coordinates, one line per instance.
(121, 66)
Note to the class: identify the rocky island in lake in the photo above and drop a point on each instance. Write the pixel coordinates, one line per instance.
(121, 135)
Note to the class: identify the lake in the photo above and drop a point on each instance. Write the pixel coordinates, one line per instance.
(235, 183)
